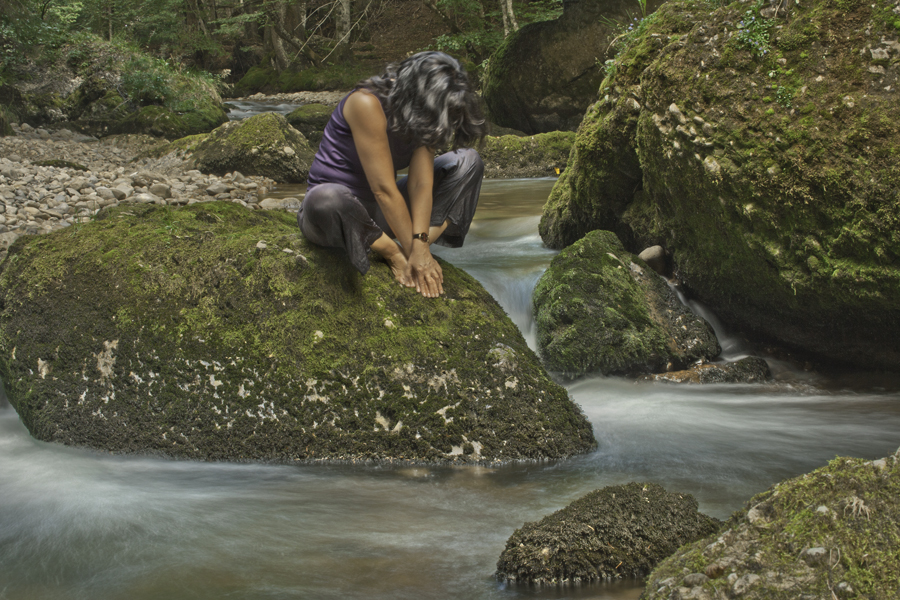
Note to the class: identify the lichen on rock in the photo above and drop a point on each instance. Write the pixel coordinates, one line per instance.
(216, 332)
(617, 532)
(600, 308)
(757, 143)
(830, 533)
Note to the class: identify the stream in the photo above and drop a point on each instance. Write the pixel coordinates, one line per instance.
(81, 524)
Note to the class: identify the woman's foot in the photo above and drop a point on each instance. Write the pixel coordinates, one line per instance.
(391, 252)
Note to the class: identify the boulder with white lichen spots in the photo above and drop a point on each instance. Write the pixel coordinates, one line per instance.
(217, 332)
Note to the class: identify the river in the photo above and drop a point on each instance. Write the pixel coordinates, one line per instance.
(78, 524)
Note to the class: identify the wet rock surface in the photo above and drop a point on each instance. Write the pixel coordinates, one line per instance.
(617, 532)
(751, 369)
(829, 534)
(756, 145)
(600, 308)
(215, 331)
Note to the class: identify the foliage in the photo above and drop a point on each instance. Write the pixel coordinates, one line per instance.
(753, 32)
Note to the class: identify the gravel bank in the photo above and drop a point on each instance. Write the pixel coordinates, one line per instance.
(50, 180)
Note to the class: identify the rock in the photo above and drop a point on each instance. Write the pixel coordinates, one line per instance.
(799, 552)
(751, 369)
(310, 120)
(256, 146)
(655, 257)
(165, 330)
(290, 203)
(599, 308)
(162, 190)
(617, 532)
(542, 155)
(544, 76)
(722, 166)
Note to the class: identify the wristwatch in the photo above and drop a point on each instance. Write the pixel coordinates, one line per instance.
(421, 236)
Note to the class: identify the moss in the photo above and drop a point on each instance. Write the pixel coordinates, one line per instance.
(599, 308)
(310, 120)
(830, 531)
(541, 155)
(262, 78)
(5, 126)
(729, 184)
(164, 330)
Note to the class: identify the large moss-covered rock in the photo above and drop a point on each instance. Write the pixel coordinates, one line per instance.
(261, 145)
(541, 155)
(620, 531)
(216, 332)
(600, 308)
(310, 120)
(829, 534)
(762, 144)
(544, 76)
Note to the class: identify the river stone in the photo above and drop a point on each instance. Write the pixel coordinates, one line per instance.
(751, 369)
(600, 308)
(772, 184)
(261, 145)
(617, 532)
(166, 330)
(801, 552)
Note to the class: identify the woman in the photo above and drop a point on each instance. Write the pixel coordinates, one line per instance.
(388, 123)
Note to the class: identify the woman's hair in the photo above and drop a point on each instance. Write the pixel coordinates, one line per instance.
(428, 99)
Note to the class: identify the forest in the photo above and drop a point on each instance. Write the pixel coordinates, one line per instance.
(227, 37)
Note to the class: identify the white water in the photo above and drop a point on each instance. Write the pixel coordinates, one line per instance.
(78, 524)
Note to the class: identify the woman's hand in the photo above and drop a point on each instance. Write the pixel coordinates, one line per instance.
(425, 271)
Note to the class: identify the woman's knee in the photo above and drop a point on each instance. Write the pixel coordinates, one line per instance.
(328, 198)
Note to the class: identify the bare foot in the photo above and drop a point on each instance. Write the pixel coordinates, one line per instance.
(390, 251)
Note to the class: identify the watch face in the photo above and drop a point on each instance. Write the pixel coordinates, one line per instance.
(422, 236)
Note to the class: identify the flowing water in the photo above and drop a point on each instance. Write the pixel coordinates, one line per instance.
(80, 524)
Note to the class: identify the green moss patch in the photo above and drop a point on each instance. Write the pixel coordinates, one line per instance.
(217, 332)
(541, 155)
(829, 534)
(599, 308)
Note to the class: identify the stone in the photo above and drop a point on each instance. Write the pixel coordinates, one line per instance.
(183, 339)
(795, 552)
(617, 532)
(750, 369)
(600, 309)
(255, 146)
(773, 250)
(290, 203)
(541, 155)
(655, 257)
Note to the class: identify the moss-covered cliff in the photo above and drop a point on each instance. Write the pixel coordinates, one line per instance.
(217, 332)
(759, 145)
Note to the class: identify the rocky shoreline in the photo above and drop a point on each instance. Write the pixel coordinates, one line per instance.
(53, 180)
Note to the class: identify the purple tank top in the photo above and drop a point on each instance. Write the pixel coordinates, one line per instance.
(337, 160)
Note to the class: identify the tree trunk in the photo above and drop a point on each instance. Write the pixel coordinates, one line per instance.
(509, 17)
(276, 12)
(342, 30)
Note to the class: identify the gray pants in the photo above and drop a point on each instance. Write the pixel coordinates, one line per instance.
(332, 216)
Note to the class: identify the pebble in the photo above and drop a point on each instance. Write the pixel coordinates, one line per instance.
(41, 199)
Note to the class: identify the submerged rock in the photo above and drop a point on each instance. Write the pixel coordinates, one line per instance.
(621, 531)
(261, 145)
(829, 534)
(216, 332)
(756, 143)
(600, 308)
(751, 369)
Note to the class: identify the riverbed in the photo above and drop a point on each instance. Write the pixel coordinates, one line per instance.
(81, 524)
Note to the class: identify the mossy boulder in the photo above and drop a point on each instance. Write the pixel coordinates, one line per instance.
(216, 332)
(261, 145)
(541, 155)
(600, 308)
(829, 534)
(310, 120)
(764, 158)
(544, 76)
(617, 532)
(268, 80)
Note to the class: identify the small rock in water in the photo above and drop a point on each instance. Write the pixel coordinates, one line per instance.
(655, 257)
